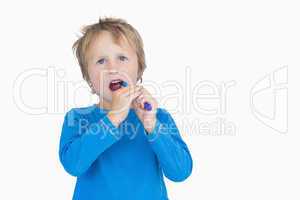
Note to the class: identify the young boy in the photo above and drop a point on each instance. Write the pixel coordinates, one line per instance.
(118, 149)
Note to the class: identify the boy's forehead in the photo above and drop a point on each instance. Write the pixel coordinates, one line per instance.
(105, 37)
(105, 40)
(104, 43)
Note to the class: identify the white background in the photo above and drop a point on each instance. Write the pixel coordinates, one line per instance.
(218, 41)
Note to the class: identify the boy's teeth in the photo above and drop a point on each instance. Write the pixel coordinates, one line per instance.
(115, 85)
(115, 81)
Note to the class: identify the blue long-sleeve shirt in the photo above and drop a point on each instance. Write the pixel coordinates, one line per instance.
(114, 163)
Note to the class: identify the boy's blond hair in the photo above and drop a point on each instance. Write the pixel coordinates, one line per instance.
(118, 28)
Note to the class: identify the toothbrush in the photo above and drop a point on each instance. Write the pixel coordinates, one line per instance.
(147, 106)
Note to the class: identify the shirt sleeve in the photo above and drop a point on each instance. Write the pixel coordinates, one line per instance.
(81, 142)
(172, 152)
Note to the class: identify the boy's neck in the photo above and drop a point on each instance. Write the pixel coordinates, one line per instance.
(106, 104)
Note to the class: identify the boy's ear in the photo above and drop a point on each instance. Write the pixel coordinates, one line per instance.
(140, 73)
(92, 88)
(140, 79)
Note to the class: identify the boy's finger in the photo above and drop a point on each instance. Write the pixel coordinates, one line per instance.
(135, 94)
(132, 90)
(139, 99)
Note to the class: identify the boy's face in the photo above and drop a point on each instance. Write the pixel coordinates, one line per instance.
(108, 61)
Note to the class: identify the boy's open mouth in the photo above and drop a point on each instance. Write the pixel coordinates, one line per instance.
(115, 84)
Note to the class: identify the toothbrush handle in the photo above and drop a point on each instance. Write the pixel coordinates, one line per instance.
(147, 106)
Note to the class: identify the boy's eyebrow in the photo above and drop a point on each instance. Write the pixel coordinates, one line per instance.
(122, 54)
(117, 54)
(100, 56)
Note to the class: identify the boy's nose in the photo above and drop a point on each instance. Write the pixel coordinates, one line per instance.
(112, 66)
(113, 71)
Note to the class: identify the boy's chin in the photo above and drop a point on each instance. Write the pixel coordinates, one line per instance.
(107, 98)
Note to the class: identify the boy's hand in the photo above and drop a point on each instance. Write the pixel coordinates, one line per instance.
(121, 101)
(148, 118)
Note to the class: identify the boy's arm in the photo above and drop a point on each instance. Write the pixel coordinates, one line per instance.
(171, 151)
(81, 144)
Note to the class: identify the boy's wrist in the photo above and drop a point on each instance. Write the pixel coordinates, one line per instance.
(149, 127)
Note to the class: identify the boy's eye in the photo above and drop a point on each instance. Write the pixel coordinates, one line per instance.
(101, 61)
(123, 58)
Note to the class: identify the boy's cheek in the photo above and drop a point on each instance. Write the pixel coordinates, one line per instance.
(132, 72)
